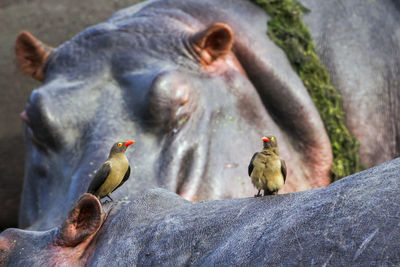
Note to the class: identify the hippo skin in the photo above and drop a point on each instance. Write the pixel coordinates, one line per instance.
(359, 43)
(352, 222)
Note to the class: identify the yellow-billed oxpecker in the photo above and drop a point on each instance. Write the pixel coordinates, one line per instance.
(113, 173)
(266, 169)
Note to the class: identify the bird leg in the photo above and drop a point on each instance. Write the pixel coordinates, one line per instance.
(110, 197)
(258, 194)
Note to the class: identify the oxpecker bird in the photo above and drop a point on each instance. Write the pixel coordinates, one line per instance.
(113, 173)
(266, 170)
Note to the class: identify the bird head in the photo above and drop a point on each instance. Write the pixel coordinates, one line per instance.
(269, 141)
(121, 146)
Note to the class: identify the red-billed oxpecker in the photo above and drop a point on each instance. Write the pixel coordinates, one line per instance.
(266, 170)
(113, 173)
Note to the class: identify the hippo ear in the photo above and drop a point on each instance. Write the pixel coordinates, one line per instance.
(84, 219)
(32, 54)
(214, 42)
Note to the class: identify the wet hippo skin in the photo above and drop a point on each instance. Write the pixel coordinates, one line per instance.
(351, 222)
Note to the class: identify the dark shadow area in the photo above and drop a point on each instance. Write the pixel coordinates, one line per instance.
(12, 172)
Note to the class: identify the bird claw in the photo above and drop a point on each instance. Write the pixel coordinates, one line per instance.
(107, 201)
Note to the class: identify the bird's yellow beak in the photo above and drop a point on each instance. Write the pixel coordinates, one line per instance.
(128, 143)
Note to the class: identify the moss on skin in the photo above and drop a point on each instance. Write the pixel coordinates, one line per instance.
(288, 31)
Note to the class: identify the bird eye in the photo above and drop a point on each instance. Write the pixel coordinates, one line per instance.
(119, 144)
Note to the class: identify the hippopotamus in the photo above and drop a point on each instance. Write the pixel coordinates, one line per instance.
(189, 83)
(194, 84)
(352, 222)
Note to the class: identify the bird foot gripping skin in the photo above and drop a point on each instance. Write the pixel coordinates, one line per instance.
(108, 201)
(266, 193)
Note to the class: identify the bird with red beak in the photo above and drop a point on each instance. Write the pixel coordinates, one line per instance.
(113, 173)
(266, 169)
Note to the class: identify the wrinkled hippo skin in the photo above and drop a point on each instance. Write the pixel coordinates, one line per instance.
(192, 83)
(352, 222)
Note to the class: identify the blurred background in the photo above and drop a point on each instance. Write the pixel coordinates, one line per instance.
(53, 22)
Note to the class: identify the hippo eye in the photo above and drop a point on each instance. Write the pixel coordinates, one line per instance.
(170, 101)
(119, 144)
(41, 128)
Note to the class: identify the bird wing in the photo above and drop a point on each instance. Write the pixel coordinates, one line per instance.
(126, 176)
(99, 178)
(283, 169)
(251, 166)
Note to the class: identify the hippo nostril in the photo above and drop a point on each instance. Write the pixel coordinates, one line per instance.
(184, 171)
(23, 115)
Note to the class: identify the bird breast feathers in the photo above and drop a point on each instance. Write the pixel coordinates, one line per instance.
(271, 162)
(119, 166)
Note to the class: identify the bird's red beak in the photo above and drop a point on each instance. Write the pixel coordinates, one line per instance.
(265, 139)
(128, 143)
